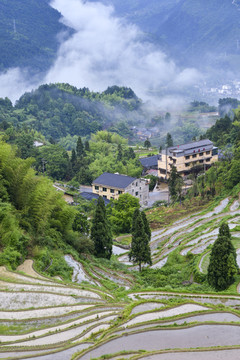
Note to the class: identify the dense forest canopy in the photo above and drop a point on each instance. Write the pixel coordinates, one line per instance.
(58, 110)
(62, 112)
(32, 213)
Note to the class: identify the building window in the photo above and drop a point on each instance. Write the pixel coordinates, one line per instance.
(194, 155)
(136, 184)
(96, 187)
(215, 151)
(207, 160)
(162, 171)
(187, 164)
(174, 161)
(207, 152)
(104, 196)
(200, 161)
(119, 192)
(136, 193)
(112, 191)
(187, 157)
(104, 189)
(201, 154)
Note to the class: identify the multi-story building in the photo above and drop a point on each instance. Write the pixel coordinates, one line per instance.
(185, 157)
(110, 186)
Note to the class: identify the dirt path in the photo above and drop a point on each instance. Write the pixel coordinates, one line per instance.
(27, 268)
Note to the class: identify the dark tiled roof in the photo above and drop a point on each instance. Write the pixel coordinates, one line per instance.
(192, 145)
(149, 161)
(114, 180)
(90, 196)
(189, 147)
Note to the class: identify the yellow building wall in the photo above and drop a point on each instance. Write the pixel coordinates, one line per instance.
(180, 162)
(107, 193)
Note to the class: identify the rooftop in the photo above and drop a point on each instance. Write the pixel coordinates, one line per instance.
(205, 144)
(90, 196)
(149, 161)
(114, 180)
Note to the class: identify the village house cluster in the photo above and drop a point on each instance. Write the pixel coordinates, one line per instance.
(187, 157)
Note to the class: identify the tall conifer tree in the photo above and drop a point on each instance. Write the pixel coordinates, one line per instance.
(74, 160)
(223, 264)
(87, 146)
(140, 252)
(101, 232)
(79, 148)
(146, 226)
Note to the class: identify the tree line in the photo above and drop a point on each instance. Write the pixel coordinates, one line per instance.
(101, 234)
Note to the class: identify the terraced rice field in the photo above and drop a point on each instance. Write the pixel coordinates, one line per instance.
(47, 319)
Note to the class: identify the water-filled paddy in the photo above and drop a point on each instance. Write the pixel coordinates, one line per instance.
(201, 355)
(216, 317)
(203, 299)
(197, 336)
(146, 307)
(61, 355)
(182, 309)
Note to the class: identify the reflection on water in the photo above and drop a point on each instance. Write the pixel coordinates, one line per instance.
(197, 336)
(62, 355)
(201, 355)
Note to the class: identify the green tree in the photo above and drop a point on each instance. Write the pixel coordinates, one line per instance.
(79, 148)
(25, 143)
(86, 145)
(147, 144)
(140, 252)
(146, 225)
(168, 116)
(119, 152)
(121, 213)
(175, 183)
(131, 154)
(80, 223)
(73, 159)
(101, 232)
(56, 161)
(169, 140)
(223, 266)
(153, 181)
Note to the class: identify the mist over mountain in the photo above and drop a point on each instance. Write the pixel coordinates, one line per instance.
(105, 50)
(161, 49)
(201, 33)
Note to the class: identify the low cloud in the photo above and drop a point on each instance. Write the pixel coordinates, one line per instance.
(104, 51)
(14, 82)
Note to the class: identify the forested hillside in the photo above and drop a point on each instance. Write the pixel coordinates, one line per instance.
(60, 110)
(35, 219)
(185, 30)
(28, 34)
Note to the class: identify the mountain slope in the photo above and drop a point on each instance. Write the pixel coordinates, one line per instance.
(28, 34)
(187, 29)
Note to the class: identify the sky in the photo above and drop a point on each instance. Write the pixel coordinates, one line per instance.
(105, 51)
